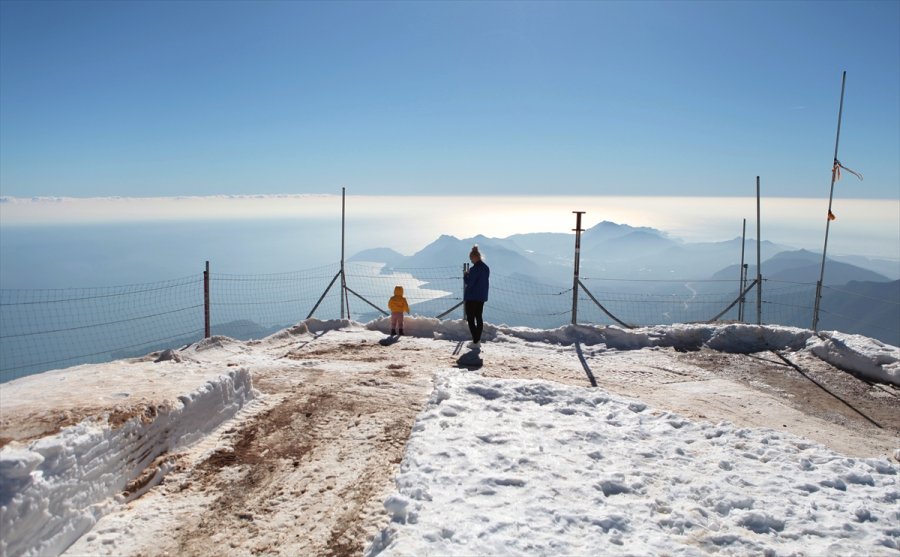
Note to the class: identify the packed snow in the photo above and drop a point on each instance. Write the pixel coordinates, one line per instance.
(531, 467)
(493, 465)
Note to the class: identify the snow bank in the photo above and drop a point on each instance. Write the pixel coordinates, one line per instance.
(732, 338)
(864, 356)
(861, 355)
(502, 466)
(55, 489)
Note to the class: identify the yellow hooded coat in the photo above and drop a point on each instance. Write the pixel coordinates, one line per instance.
(398, 302)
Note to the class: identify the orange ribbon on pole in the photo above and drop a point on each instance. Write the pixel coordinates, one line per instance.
(836, 171)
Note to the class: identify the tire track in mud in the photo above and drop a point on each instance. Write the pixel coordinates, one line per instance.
(309, 476)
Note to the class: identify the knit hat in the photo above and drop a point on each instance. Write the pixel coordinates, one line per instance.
(475, 252)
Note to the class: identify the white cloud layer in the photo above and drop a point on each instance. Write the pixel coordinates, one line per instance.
(863, 226)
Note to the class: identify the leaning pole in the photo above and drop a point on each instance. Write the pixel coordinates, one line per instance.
(758, 260)
(834, 174)
(345, 300)
(576, 280)
(743, 274)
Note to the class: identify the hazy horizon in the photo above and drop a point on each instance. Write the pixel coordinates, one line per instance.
(68, 242)
(869, 227)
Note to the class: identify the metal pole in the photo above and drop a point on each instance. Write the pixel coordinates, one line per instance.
(741, 278)
(322, 297)
(344, 300)
(606, 311)
(577, 265)
(837, 139)
(744, 272)
(465, 272)
(758, 262)
(350, 290)
(736, 300)
(206, 328)
(446, 313)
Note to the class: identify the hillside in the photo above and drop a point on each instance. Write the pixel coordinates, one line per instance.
(612, 250)
(615, 249)
(322, 440)
(626, 261)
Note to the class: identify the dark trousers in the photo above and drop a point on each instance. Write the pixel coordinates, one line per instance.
(476, 322)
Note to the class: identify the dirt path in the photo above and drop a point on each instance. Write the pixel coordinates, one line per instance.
(309, 475)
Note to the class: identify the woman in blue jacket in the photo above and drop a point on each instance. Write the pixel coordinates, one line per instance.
(475, 294)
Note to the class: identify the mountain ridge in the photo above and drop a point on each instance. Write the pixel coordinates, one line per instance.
(630, 252)
(647, 262)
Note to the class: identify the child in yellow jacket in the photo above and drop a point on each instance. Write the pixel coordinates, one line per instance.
(397, 304)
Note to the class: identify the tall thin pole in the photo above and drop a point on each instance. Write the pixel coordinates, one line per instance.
(758, 260)
(206, 327)
(577, 265)
(344, 300)
(837, 139)
(743, 276)
(465, 272)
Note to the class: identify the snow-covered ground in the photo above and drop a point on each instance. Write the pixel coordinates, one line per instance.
(494, 464)
(530, 467)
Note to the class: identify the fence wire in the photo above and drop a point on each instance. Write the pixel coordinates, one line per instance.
(49, 329)
(254, 306)
(664, 302)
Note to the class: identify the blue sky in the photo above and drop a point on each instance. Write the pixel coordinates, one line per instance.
(412, 98)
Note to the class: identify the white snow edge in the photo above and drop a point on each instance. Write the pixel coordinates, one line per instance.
(55, 489)
(865, 357)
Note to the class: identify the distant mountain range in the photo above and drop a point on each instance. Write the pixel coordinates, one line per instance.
(866, 308)
(611, 250)
(862, 295)
(806, 266)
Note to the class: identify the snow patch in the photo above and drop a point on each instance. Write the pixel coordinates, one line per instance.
(611, 476)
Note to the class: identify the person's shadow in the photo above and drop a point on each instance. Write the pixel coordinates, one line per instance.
(387, 341)
(471, 360)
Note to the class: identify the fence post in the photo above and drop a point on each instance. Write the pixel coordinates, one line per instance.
(576, 280)
(465, 272)
(743, 270)
(345, 300)
(206, 332)
(758, 260)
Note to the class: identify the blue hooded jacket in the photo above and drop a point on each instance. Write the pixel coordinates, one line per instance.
(477, 282)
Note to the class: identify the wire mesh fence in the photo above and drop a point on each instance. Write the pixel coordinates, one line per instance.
(663, 302)
(254, 306)
(49, 329)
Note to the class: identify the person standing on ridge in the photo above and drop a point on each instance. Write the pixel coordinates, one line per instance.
(398, 305)
(475, 294)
